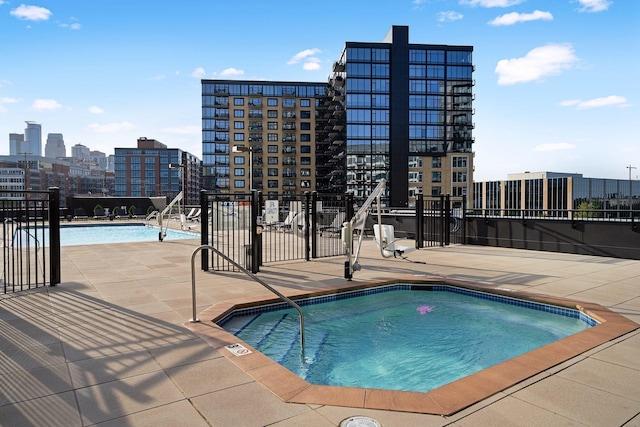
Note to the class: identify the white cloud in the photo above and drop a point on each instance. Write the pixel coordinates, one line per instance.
(96, 110)
(594, 5)
(449, 16)
(45, 105)
(3, 109)
(111, 127)
(74, 26)
(158, 77)
(515, 17)
(31, 13)
(184, 130)
(491, 3)
(607, 101)
(311, 64)
(558, 146)
(198, 73)
(231, 72)
(540, 62)
(7, 100)
(302, 55)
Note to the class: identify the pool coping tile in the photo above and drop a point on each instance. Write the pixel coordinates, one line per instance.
(445, 400)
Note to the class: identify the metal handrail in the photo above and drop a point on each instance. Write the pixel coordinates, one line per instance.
(194, 319)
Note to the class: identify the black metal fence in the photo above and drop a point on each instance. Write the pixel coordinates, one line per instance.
(440, 220)
(30, 239)
(284, 227)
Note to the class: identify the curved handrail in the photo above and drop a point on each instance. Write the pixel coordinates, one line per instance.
(248, 273)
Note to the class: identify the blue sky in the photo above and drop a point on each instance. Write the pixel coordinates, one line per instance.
(556, 80)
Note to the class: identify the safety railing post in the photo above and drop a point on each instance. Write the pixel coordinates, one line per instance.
(314, 224)
(306, 211)
(54, 236)
(447, 219)
(419, 221)
(255, 234)
(204, 230)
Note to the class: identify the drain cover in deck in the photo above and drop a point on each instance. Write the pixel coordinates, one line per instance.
(360, 422)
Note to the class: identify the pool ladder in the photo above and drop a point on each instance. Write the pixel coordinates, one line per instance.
(248, 273)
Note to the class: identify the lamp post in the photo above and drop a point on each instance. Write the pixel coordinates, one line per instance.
(179, 166)
(243, 149)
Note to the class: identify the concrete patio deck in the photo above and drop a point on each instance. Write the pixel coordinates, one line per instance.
(108, 346)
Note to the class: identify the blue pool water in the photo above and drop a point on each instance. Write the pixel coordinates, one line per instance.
(413, 340)
(100, 234)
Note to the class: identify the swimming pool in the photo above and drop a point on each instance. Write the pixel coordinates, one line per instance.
(402, 336)
(101, 234)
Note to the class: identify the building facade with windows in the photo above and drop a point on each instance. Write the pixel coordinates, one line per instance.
(555, 194)
(391, 110)
(273, 123)
(152, 170)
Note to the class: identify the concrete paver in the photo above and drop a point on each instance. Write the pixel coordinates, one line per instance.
(108, 345)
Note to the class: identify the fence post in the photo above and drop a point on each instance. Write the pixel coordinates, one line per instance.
(314, 224)
(419, 221)
(307, 214)
(447, 219)
(261, 227)
(464, 220)
(442, 224)
(204, 230)
(54, 236)
(255, 236)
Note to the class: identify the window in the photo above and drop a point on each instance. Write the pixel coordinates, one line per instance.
(305, 114)
(272, 160)
(305, 149)
(436, 190)
(305, 126)
(288, 103)
(238, 113)
(272, 183)
(272, 114)
(305, 172)
(238, 125)
(238, 183)
(255, 102)
(272, 149)
(459, 162)
(272, 102)
(436, 162)
(238, 160)
(238, 172)
(272, 172)
(238, 101)
(305, 103)
(272, 137)
(272, 125)
(238, 136)
(305, 137)
(436, 176)
(459, 177)
(305, 160)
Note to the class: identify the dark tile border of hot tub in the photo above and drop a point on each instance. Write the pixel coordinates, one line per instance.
(445, 400)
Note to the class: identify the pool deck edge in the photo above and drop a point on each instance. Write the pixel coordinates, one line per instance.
(445, 400)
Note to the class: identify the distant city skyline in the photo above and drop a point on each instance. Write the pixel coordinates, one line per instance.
(555, 81)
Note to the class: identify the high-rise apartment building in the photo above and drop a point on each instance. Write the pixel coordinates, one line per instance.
(276, 121)
(392, 110)
(55, 148)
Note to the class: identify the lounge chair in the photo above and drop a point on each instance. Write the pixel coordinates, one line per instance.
(79, 214)
(194, 215)
(287, 224)
(100, 214)
(335, 226)
(384, 236)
